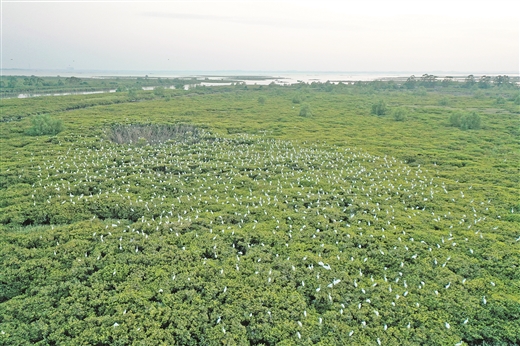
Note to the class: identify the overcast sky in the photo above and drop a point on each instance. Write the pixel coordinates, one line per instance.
(420, 35)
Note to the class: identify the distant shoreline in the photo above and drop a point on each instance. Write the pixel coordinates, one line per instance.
(250, 75)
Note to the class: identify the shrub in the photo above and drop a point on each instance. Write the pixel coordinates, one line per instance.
(470, 122)
(379, 108)
(466, 121)
(399, 114)
(296, 99)
(500, 100)
(261, 100)
(444, 101)
(455, 119)
(158, 91)
(305, 110)
(132, 94)
(45, 125)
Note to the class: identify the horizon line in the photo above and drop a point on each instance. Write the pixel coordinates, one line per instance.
(259, 71)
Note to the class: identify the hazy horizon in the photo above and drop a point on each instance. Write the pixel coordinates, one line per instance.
(259, 36)
(287, 76)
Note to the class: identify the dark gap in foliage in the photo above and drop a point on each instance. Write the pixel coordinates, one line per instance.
(28, 222)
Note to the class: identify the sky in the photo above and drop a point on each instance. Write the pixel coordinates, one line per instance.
(368, 35)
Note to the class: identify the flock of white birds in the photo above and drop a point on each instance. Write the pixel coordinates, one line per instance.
(369, 242)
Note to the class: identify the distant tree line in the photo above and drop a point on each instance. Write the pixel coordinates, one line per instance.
(431, 81)
(12, 85)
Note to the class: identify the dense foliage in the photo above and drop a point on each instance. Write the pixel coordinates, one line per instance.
(379, 108)
(255, 225)
(43, 124)
(305, 110)
(466, 121)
